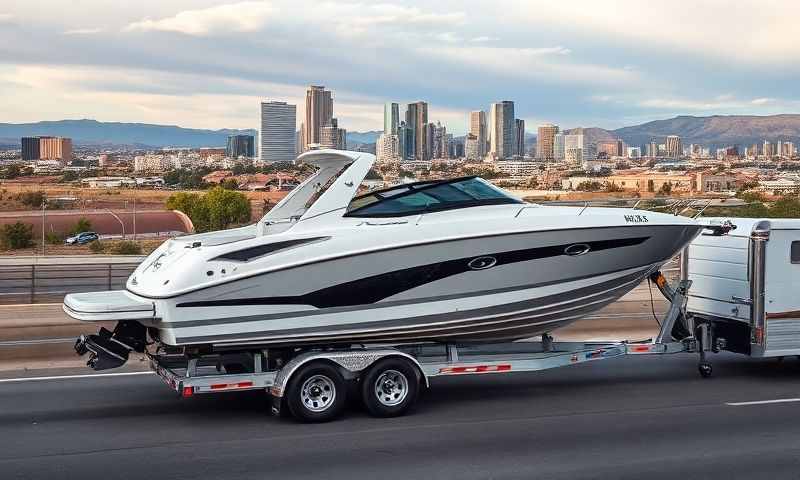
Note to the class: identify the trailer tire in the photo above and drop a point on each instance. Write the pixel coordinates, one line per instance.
(316, 393)
(390, 387)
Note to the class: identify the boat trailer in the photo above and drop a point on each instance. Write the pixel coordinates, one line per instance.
(311, 382)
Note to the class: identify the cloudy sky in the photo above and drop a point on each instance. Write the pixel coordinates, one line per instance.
(207, 64)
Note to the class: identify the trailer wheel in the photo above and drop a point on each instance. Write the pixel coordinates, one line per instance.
(390, 387)
(316, 393)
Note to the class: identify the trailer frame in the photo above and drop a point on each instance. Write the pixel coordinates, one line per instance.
(197, 373)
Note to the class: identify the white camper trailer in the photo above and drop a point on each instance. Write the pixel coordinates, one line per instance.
(745, 293)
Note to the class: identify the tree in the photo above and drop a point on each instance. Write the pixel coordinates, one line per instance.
(16, 235)
(11, 172)
(666, 188)
(216, 210)
(69, 176)
(83, 225)
(32, 199)
(230, 184)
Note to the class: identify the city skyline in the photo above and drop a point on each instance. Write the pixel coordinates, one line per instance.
(203, 64)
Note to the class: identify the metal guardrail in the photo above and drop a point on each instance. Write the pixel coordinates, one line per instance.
(49, 283)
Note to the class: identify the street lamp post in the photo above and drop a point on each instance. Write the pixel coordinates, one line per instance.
(119, 220)
(44, 205)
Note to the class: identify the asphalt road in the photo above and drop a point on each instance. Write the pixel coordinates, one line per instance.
(636, 417)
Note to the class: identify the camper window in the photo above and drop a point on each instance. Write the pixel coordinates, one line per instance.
(795, 252)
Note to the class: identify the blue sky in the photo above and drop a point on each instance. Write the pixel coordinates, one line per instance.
(207, 64)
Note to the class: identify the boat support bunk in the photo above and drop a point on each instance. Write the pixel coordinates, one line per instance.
(311, 384)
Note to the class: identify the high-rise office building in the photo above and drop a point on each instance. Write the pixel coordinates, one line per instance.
(519, 137)
(403, 140)
(331, 136)
(477, 127)
(573, 148)
(439, 145)
(674, 147)
(278, 120)
(55, 148)
(319, 112)
(472, 147)
(620, 148)
(240, 146)
(501, 130)
(417, 121)
(387, 148)
(391, 118)
(558, 147)
(30, 148)
(545, 142)
(652, 148)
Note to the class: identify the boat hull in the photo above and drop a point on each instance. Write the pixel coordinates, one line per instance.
(468, 290)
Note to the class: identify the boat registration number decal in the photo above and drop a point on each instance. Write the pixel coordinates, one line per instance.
(636, 218)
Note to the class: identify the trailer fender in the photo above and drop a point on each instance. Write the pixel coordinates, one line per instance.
(351, 362)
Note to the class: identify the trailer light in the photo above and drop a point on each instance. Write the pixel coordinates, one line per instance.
(187, 392)
(476, 369)
(641, 348)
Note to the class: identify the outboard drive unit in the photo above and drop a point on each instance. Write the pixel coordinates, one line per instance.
(109, 349)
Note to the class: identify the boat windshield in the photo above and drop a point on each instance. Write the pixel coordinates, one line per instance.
(430, 196)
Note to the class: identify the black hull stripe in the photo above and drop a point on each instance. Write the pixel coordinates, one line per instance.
(527, 322)
(378, 287)
(540, 307)
(387, 304)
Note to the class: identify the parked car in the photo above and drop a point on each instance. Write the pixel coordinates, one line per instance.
(82, 238)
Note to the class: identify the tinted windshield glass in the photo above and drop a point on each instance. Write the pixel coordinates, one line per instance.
(428, 196)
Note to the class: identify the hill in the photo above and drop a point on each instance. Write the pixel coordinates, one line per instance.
(716, 131)
(92, 132)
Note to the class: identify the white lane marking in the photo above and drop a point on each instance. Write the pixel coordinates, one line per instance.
(69, 377)
(763, 402)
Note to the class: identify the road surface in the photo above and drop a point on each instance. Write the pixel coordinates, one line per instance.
(630, 418)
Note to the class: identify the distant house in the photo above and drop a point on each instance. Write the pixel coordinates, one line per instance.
(217, 176)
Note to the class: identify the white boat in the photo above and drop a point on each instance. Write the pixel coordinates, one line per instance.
(455, 260)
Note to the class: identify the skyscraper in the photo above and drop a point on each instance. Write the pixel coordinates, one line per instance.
(558, 147)
(387, 148)
(331, 136)
(319, 112)
(55, 148)
(440, 147)
(278, 120)
(501, 130)
(545, 142)
(519, 137)
(417, 121)
(240, 146)
(30, 148)
(477, 127)
(674, 146)
(391, 118)
(573, 148)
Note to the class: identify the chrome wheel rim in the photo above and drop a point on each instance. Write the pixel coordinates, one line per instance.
(318, 393)
(391, 388)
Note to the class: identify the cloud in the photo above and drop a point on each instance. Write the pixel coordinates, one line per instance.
(7, 19)
(233, 17)
(84, 31)
(483, 39)
(762, 101)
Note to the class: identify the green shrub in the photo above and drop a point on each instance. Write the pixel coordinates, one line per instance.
(17, 235)
(32, 199)
(97, 247)
(53, 238)
(216, 210)
(83, 225)
(128, 247)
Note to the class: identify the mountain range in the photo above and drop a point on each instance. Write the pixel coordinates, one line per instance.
(713, 131)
